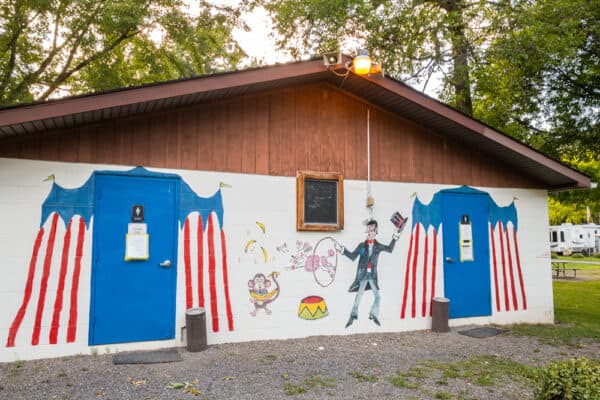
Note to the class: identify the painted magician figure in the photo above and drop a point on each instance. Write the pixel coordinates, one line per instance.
(366, 273)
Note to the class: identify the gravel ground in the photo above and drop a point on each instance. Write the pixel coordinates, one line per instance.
(328, 367)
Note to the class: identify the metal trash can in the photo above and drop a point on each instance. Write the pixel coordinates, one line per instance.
(439, 311)
(195, 327)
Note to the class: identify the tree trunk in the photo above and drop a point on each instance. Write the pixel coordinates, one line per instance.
(460, 54)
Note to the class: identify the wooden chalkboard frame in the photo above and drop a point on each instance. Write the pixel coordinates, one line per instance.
(301, 224)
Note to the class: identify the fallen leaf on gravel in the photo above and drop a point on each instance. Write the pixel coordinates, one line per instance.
(228, 378)
(176, 385)
(285, 376)
(136, 382)
(193, 391)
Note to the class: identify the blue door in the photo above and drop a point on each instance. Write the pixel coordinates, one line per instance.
(466, 254)
(133, 300)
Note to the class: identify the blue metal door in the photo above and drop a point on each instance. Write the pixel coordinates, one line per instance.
(466, 254)
(133, 300)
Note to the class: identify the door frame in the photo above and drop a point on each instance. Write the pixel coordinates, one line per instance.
(483, 197)
(138, 172)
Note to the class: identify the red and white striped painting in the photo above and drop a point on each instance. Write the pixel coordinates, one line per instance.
(50, 306)
(423, 279)
(422, 273)
(508, 289)
(205, 269)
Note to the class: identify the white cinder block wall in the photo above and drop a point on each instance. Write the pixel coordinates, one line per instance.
(250, 202)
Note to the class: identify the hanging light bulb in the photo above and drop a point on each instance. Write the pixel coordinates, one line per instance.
(362, 62)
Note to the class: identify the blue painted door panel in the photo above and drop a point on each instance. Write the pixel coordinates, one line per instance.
(466, 283)
(133, 300)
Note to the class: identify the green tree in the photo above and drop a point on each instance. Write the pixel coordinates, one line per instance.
(540, 80)
(50, 47)
(571, 206)
(414, 39)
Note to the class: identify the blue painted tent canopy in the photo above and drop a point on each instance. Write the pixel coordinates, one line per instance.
(431, 214)
(80, 201)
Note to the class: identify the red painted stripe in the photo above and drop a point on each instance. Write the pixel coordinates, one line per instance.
(433, 264)
(495, 267)
(37, 327)
(506, 301)
(519, 270)
(58, 302)
(226, 282)
(414, 275)
(406, 277)
(188, 266)
(510, 268)
(211, 275)
(199, 240)
(14, 327)
(72, 330)
(424, 305)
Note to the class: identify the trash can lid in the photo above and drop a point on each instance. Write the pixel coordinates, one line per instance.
(195, 311)
(441, 299)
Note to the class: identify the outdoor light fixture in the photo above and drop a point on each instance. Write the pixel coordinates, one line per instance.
(332, 59)
(360, 65)
(362, 62)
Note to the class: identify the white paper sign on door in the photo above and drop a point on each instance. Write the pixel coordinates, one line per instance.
(137, 247)
(465, 239)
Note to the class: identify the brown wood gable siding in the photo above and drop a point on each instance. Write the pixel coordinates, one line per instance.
(313, 127)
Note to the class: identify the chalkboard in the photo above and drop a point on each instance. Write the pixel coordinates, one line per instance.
(320, 202)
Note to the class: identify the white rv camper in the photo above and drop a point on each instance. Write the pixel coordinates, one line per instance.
(567, 238)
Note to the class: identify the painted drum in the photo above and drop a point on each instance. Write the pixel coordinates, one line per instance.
(312, 308)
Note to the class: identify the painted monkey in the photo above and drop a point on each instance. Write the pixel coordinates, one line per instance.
(260, 295)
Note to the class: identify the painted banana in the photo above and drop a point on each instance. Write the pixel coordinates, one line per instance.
(261, 226)
(250, 243)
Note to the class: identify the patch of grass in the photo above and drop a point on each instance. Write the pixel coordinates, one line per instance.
(483, 370)
(267, 359)
(15, 367)
(443, 395)
(402, 381)
(314, 381)
(293, 390)
(62, 374)
(576, 309)
(417, 371)
(362, 377)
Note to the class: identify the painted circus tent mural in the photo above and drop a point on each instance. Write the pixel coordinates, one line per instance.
(252, 285)
(423, 261)
(50, 305)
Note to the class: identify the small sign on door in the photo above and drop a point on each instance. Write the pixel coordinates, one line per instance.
(137, 213)
(465, 235)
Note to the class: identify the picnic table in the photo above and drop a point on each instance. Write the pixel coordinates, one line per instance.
(562, 266)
